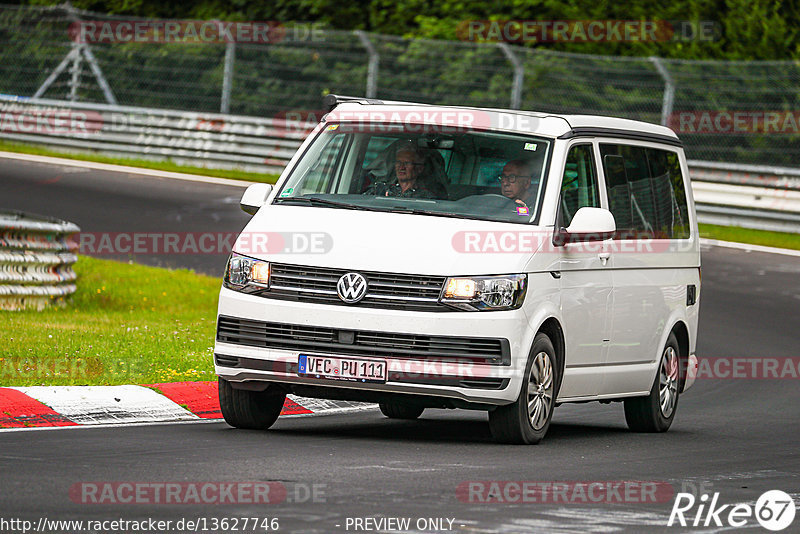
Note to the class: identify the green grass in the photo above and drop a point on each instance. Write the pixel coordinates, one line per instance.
(752, 237)
(147, 164)
(126, 324)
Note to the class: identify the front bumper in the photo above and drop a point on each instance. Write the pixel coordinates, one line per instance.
(454, 378)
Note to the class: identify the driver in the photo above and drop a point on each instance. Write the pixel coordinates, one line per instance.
(408, 166)
(517, 183)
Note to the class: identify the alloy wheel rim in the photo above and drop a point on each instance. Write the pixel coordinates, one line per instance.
(540, 390)
(668, 382)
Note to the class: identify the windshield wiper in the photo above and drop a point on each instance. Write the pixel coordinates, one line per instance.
(394, 209)
(400, 209)
(321, 202)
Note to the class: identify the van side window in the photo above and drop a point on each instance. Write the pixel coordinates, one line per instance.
(579, 185)
(628, 185)
(643, 185)
(668, 187)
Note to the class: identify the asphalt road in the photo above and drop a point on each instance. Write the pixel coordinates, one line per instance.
(738, 437)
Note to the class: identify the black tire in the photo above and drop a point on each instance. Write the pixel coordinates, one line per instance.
(254, 410)
(655, 412)
(396, 410)
(517, 423)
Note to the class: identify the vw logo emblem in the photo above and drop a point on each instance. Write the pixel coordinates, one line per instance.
(351, 287)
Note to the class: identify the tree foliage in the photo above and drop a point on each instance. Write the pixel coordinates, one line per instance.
(746, 29)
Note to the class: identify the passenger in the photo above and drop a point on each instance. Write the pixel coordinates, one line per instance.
(410, 183)
(516, 182)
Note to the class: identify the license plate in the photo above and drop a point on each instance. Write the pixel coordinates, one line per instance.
(351, 369)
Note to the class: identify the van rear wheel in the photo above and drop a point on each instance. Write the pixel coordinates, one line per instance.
(527, 419)
(396, 410)
(254, 410)
(655, 412)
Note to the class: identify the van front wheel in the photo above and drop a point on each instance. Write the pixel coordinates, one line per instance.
(655, 412)
(254, 410)
(527, 419)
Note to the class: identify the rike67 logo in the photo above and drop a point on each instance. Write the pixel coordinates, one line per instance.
(774, 510)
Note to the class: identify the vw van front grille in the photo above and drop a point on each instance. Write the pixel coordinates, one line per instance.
(324, 340)
(384, 290)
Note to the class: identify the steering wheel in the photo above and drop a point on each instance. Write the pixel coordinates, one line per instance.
(495, 195)
(493, 203)
(500, 200)
(488, 198)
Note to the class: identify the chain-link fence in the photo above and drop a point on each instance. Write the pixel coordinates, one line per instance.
(739, 112)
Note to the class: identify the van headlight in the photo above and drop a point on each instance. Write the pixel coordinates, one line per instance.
(485, 293)
(246, 274)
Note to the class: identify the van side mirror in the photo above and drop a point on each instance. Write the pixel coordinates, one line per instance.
(589, 224)
(254, 197)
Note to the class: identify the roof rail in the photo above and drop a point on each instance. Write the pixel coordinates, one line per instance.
(329, 102)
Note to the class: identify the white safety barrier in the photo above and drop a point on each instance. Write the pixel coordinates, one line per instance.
(36, 259)
(752, 196)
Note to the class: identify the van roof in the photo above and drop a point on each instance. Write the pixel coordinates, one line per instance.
(548, 124)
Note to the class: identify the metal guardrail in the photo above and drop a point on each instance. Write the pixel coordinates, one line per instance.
(36, 259)
(761, 197)
(749, 196)
(211, 140)
(755, 175)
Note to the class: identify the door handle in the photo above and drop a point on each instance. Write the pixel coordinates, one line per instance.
(604, 257)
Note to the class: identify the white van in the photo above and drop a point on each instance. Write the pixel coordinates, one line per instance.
(447, 257)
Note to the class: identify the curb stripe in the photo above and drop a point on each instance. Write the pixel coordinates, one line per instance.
(200, 398)
(18, 410)
(92, 405)
(26, 408)
(290, 407)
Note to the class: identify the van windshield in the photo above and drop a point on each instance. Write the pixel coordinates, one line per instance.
(474, 174)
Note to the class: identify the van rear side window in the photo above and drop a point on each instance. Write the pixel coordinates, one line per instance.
(645, 192)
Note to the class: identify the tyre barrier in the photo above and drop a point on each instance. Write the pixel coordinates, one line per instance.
(36, 260)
